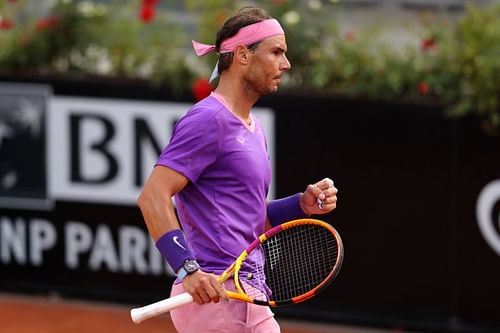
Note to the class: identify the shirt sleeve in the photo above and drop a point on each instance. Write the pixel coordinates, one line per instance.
(193, 145)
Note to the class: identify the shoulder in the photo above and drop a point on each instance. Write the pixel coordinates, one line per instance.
(206, 110)
(201, 120)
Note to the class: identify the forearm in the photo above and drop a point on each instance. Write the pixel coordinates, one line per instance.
(155, 203)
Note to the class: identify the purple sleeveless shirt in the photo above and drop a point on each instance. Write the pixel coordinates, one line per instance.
(223, 207)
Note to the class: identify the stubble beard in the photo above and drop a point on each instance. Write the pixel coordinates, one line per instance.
(257, 88)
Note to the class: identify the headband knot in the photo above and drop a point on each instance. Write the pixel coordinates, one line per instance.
(201, 49)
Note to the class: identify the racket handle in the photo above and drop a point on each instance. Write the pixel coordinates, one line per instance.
(145, 312)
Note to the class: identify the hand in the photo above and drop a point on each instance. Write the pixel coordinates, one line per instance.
(204, 287)
(323, 191)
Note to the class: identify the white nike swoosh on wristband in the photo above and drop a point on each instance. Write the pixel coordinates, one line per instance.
(176, 241)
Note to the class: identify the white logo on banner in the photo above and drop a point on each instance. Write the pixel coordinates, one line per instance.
(488, 198)
(102, 150)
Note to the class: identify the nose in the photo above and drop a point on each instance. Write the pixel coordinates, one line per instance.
(285, 64)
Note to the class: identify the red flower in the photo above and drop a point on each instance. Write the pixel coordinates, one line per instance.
(427, 44)
(148, 10)
(201, 88)
(423, 88)
(47, 23)
(6, 24)
(147, 13)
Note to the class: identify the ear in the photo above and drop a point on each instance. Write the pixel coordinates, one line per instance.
(241, 55)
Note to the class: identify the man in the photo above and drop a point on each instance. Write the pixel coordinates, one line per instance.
(217, 167)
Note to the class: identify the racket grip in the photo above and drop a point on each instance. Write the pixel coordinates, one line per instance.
(154, 309)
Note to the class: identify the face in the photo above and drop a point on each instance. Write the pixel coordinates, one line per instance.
(266, 65)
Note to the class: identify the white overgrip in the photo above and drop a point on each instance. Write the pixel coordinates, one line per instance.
(145, 312)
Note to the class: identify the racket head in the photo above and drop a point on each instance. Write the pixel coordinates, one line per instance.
(289, 263)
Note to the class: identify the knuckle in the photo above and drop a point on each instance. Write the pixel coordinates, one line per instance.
(202, 281)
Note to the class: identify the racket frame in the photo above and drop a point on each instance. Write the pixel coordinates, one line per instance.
(235, 267)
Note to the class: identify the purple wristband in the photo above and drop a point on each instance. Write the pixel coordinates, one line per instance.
(284, 210)
(173, 246)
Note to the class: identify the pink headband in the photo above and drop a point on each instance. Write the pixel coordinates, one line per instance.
(245, 36)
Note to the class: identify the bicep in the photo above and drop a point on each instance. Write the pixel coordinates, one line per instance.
(155, 200)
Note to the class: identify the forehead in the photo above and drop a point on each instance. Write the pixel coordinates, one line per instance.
(278, 41)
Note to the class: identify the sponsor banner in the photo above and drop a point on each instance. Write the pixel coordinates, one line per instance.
(418, 209)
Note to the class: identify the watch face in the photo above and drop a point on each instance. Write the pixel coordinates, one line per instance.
(191, 266)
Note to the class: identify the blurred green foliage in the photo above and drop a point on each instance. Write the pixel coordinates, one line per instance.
(466, 68)
(455, 63)
(82, 38)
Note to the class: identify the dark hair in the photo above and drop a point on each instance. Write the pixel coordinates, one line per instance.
(245, 16)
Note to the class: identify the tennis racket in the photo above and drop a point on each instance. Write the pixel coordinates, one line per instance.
(287, 264)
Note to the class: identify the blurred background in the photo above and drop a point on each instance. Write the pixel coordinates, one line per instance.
(396, 100)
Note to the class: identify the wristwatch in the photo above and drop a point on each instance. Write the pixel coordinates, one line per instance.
(189, 267)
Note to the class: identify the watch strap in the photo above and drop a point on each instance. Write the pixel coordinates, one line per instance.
(182, 274)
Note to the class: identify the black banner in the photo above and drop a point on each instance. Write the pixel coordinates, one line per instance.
(418, 210)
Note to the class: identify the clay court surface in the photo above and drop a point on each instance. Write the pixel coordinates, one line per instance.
(24, 314)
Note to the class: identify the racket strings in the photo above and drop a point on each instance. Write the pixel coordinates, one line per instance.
(297, 260)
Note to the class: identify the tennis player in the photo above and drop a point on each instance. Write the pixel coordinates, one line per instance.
(217, 167)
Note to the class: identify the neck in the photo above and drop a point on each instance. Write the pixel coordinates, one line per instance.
(239, 99)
